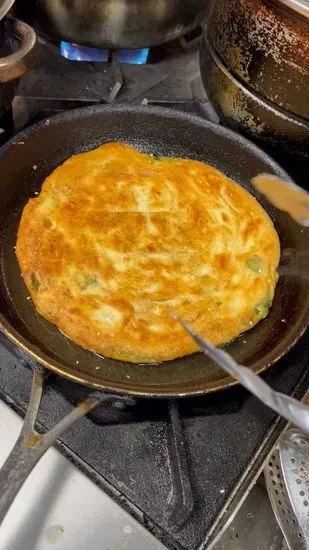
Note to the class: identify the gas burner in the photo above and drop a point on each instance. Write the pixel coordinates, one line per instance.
(56, 84)
(74, 52)
(156, 61)
(141, 56)
(104, 76)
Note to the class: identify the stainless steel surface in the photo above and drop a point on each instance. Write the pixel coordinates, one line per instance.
(288, 407)
(287, 479)
(17, 63)
(5, 6)
(300, 6)
(110, 24)
(254, 527)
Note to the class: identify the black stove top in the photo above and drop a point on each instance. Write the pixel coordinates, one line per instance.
(175, 465)
(181, 466)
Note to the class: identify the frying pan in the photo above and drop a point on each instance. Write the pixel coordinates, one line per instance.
(27, 160)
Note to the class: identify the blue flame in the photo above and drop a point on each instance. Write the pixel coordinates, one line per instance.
(73, 52)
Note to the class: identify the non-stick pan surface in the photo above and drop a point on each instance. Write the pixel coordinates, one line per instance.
(32, 155)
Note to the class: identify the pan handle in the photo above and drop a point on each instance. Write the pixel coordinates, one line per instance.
(30, 445)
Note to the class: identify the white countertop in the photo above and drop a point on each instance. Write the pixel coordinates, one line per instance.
(59, 508)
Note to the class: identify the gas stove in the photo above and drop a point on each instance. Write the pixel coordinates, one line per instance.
(179, 467)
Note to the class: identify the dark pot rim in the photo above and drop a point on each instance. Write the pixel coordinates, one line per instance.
(15, 64)
(5, 6)
(299, 6)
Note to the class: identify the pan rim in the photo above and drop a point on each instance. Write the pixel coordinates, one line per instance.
(166, 391)
(156, 110)
(124, 389)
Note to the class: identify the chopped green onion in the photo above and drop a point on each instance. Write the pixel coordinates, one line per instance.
(92, 282)
(254, 263)
(35, 282)
(154, 158)
(263, 308)
(85, 282)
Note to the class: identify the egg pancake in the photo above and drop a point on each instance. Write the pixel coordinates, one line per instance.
(117, 239)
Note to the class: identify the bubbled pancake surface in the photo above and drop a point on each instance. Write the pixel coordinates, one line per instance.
(117, 239)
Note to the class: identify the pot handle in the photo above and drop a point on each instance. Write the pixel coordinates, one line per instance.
(16, 64)
(31, 446)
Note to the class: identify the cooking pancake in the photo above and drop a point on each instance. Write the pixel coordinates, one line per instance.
(117, 239)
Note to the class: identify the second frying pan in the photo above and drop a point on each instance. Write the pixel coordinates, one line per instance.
(32, 155)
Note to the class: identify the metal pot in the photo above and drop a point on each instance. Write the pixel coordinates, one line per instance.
(255, 68)
(17, 55)
(5, 6)
(113, 23)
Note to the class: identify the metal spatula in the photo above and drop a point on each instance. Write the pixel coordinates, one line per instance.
(291, 409)
(294, 200)
(284, 195)
(287, 481)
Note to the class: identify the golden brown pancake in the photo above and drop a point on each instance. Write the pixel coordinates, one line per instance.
(117, 239)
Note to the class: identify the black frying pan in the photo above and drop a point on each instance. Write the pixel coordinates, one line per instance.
(164, 133)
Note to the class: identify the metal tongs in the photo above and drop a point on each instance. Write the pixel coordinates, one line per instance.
(294, 200)
(294, 411)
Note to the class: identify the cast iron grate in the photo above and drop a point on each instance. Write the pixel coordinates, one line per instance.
(174, 476)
